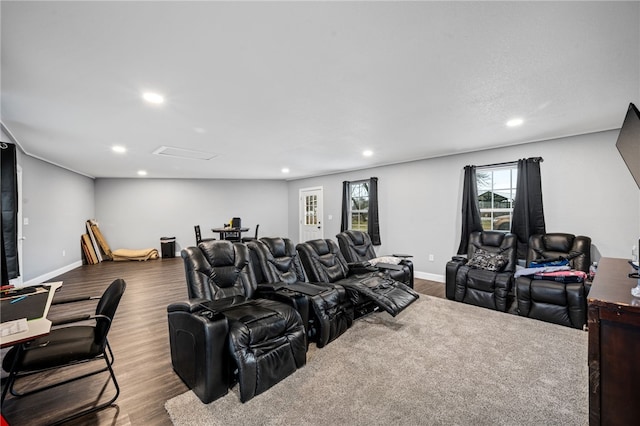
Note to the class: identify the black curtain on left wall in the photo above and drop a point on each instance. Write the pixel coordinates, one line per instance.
(9, 216)
(470, 208)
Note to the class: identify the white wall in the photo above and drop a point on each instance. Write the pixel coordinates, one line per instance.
(56, 203)
(586, 186)
(136, 213)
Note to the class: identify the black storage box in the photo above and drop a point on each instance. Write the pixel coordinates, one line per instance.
(168, 247)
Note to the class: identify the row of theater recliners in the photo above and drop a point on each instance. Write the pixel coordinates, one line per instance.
(487, 276)
(254, 308)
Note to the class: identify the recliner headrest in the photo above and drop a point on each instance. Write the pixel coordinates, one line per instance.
(321, 247)
(277, 246)
(218, 253)
(356, 236)
(558, 242)
(492, 238)
(278, 253)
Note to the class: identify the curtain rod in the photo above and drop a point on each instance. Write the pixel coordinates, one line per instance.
(508, 163)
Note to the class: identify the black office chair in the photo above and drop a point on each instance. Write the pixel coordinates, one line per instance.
(68, 346)
(199, 238)
(255, 237)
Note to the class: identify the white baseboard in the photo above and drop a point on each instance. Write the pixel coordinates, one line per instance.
(52, 274)
(428, 276)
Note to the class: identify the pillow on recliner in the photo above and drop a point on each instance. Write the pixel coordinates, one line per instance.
(483, 259)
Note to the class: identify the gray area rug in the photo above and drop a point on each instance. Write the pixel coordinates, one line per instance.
(437, 363)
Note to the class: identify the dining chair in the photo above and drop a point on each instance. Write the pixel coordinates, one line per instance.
(199, 238)
(255, 237)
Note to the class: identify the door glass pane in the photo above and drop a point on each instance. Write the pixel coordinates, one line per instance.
(311, 210)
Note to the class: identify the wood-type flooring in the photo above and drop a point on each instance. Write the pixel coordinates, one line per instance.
(139, 338)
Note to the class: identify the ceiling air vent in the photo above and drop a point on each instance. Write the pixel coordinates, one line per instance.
(170, 151)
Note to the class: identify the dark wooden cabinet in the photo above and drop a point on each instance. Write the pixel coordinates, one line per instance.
(614, 346)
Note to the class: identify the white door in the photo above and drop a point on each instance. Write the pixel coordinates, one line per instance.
(311, 214)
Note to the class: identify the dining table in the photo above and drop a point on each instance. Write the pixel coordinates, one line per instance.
(230, 233)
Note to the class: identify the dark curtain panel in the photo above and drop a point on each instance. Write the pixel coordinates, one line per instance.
(528, 213)
(346, 199)
(374, 222)
(9, 216)
(470, 208)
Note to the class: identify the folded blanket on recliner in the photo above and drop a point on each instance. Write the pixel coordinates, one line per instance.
(129, 254)
(562, 276)
(532, 271)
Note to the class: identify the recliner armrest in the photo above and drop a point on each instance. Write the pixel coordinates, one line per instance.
(382, 265)
(200, 304)
(504, 280)
(191, 305)
(360, 268)
(221, 305)
(271, 287)
(362, 264)
(450, 275)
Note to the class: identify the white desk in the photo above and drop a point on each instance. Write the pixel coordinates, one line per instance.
(37, 327)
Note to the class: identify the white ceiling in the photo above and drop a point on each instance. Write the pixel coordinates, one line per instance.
(307, 85)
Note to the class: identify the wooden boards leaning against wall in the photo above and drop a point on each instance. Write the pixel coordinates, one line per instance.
(94, 246)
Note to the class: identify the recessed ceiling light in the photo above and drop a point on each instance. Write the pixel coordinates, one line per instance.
(153, 98)
(515, 122)
(119, 149)
(367, 153)
(142, 172)
(285, 170)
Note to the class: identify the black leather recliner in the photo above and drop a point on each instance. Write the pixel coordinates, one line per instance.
(324, 308)
(485, 277)
(550, 300)
(367, 288)
(223, 334)
(356, 247)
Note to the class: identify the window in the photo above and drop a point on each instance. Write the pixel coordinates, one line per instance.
(359, 214)
(496, 192)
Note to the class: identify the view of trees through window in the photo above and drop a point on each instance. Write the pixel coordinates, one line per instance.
(496, 193)
(359, 205)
